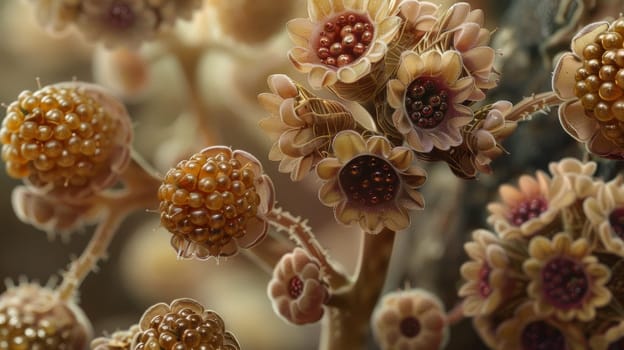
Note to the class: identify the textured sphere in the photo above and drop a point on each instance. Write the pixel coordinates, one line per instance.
(67, 140)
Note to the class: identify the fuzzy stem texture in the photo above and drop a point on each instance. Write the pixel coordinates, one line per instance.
(346, 323)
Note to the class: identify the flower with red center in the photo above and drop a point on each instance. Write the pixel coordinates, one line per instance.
(301, 125)
(487, 274)
(526, 330)
(590, 80)
(606, 213)
(427, 97)
(610, 339)
(215, 202)
(341, 40)
(567, 281)
(410, 319)
(370, 182)
(183, 324)
(68, 141)
(297, 290)
(526, 210)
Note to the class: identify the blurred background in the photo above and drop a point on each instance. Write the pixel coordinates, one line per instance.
(243, 42)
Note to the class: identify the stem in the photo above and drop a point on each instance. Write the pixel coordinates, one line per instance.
(533, 104)
(346, 324)
(455, 315)
(299, 231)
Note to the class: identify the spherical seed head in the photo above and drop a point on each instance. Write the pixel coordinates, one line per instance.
(184, 324)
(32, 317)
(67, 140)
(215, 202)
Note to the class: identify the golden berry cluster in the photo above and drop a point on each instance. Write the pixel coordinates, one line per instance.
(184, 329)
(208, 199)
(58, 137)
(600, 81)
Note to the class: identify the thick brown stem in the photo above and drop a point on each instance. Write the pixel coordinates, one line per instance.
(346, 323)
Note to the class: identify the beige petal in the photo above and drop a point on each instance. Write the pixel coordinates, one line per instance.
(282, 85)
(300, 31)
(270, 102)
(330, 193)
(318, 10)
(388, 28)
(457, 15)
(396, 91)
(353, 72)
(401, 157)
(510, 195)
(184, 303)
(433, 63)
(371, 222)
(328, 168)
(451, 66)
(574, 121)
(563, 81)
(411, 67)
(419, 143)
(561, 242)
(319, 77)
(301, 58)
(288, 114)
(396, 220)
(466, 37)
(586, 36)
(347, 144)
(401, 122)
(376, 52)
(417, 201)
(462, 90)
(150, 313)
(302, 168)
(479, 60)
(379, 145)
(272, 126)
(346, 214)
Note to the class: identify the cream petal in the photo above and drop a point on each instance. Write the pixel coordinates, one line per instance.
(151, 312)
(288, 114)
(457, 15)
(377, 9)
(411, 67)
(396, 90)
(401, 157)
(300, 58)
(417, 200)
(352, 73)
(574, 121)
(270, 102)
(330, 193)
(371, 222)
(300, 31)
(451, 66)
(388, 28)
(433, 63)
(510, 195)
(266, 191)
(379, 145)
(302, 168)
(396, 220)
(586, 36)
(346, 214)
(466, 37)
(272, 126)
(319, 77)
(563, 80)
(479, 60)
(282, 85)
(462, 90)
(418, 142)
(347, 144)
(318, 10)
(400, 121)
(417, 12)
(328, 168)
(186, 303)
(376, 52)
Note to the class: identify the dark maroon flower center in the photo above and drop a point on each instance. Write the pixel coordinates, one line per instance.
(484, 281)
(426, 102)
(410, 327)
(527, 210)
(344, 39)
(295, 287)
(369, 180)
(121, 15)
(616, 220)
(564, 282)
(617, 345)
(539, 335)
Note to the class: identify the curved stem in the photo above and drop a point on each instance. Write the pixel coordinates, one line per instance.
(346, 324)
(533, 104)
(299, 231)
(455, 315)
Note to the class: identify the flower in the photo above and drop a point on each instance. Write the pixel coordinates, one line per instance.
(301, 125)
(579, 174)
(567, 281)
(68, 141)
(410, 319)
(611, 339)
(590, 81)
(427, 98)
(529, 330)
(370, 182)
(119, 340)
(526, 210)
(216, 202)
(487, 274)
(30, 309)
(606, 213)
(340, 41)
(194, 327)
(297, 290)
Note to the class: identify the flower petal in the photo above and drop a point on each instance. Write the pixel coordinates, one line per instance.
(411, 67)
(300, 31)
(347, 144)
(564, 76)
(574, 121)
(586, 36)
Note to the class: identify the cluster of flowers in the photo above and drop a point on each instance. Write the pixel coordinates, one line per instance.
(113, 22)
(407, 76)
(549, 277)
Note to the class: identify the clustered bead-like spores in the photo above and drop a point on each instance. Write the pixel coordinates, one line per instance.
(600, 81)
(616, 220)
(426, 102)
(410, 327)
(182, 330)
(295, 287)
(344, 39)
(208, 199)
(484, 280)
(540, 335)
(565, 282)
(121, 15)
(369, 180)
(56, 136)
(527, 210)
(19, 331)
